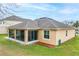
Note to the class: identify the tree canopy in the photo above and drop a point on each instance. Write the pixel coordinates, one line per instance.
(76, 24)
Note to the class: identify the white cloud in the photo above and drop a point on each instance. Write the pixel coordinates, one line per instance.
(44, 7)
(38, 7)
(68, 11)
(31, 5)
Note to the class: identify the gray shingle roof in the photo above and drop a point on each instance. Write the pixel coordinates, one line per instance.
(48, 23)
(41, 23)
(29, 24)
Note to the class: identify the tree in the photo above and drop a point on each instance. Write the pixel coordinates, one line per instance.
(6, 9)
(68, 22)
(76, 24)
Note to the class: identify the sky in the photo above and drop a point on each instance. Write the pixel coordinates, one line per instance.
(57, 11)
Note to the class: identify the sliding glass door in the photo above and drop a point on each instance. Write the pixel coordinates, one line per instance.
(20, 35)
(32, 35)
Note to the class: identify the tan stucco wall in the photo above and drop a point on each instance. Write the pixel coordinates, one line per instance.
(61, 34)
(51, 39)
(55, 36)
(3, 27)
(10, 23)
(3, 30)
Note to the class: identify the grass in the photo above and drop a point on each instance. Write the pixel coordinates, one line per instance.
(10, 48)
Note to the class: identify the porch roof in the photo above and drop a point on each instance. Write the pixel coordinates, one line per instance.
(26, 25)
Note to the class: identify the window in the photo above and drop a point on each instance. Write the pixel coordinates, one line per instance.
(46, 34)
(66, 33)
(11, 33)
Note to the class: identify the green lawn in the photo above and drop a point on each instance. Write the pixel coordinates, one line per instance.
(69, 48)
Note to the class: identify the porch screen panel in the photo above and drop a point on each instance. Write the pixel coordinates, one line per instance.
(20, 35)
(11, 33)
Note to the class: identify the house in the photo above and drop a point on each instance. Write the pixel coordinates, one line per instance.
(44, 30)
(77, 31)
(9, 21)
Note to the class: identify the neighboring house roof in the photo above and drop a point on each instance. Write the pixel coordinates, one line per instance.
(41, 23)
(15, 18)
